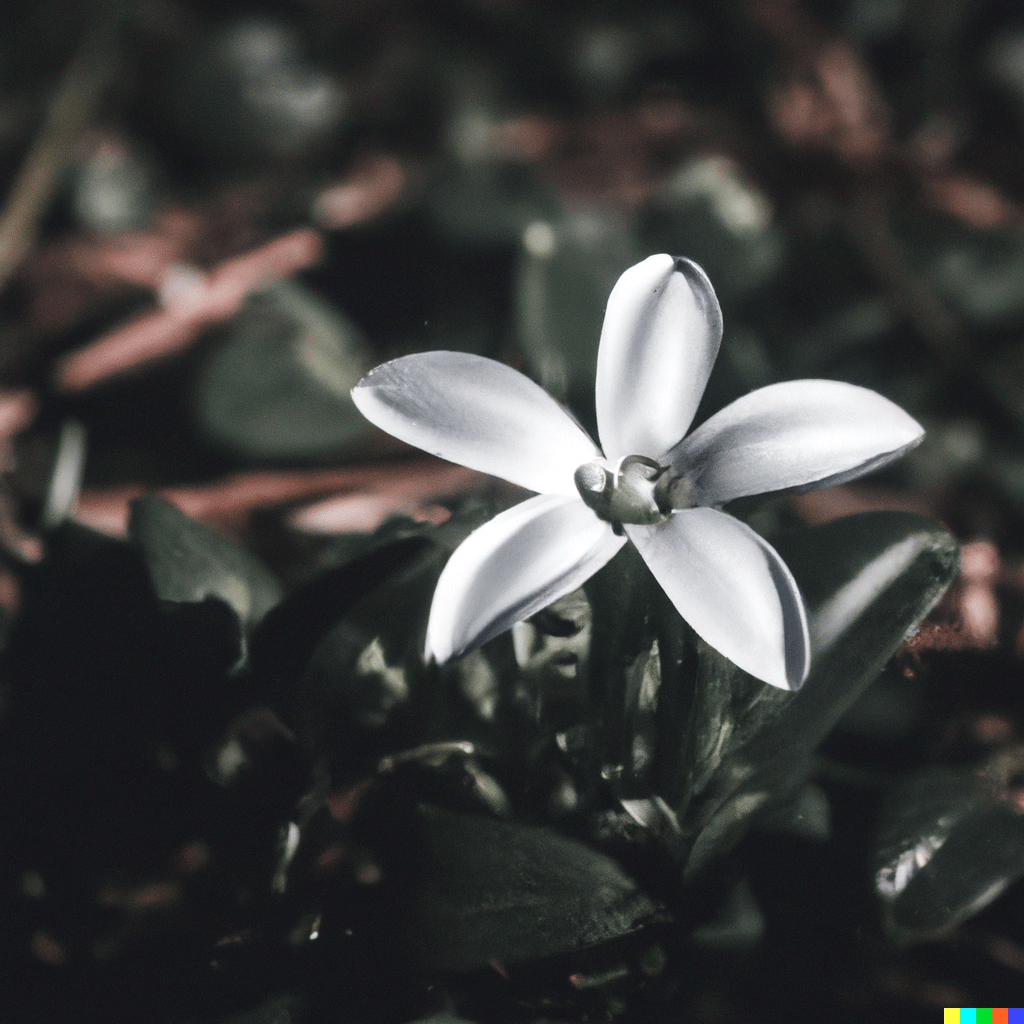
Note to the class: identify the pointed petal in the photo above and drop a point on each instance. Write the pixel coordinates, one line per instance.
(798, 435)
(478, 413)
(660, 337)
(735, 591)
(512, 567)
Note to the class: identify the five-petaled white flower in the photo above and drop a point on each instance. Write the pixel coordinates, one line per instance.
(652, 484)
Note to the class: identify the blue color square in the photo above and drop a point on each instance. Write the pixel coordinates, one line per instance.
(1015, 1015)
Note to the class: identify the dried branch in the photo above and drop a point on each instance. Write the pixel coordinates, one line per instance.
(71, 108)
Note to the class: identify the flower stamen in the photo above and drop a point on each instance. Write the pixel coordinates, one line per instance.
(625, 494)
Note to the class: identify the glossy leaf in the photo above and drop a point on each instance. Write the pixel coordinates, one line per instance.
(711, 210)
(250, 90)
(977, 270)
(868, 581)
(368, 665)
(950, 841)
(552, 652)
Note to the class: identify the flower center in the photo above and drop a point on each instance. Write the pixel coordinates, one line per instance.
(626, 493)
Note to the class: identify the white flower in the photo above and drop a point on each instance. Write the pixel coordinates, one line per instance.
(661, 333)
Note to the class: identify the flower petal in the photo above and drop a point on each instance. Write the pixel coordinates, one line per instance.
(798, 435)
(735, 591)
(661, 333)
(512, 567)
(478, 413)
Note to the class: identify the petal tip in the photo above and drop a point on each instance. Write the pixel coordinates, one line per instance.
(796, 676)
(791, 672)
(435, 652)
(703, 291)
(361, 393)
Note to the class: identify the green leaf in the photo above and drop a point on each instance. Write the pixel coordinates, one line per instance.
(286, 639)
(511, 892)
(444, 1017)
(488, 203)
(568, 266)
(188, 563)
(366, 667)
(976, 270)
(738, 924)
(277, 386)
(950, 841)
(868, 581)
(710, 212)
(636, 720)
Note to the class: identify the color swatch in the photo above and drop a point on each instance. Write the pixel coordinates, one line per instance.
(979, 1015)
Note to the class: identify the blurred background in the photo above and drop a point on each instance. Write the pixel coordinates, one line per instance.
(215, 218)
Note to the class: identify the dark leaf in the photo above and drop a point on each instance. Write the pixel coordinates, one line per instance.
(739, 923)
(976, 270)
(498, 891)
(188, 563)
(286, 639)
(445, 1017)
(567, 269)
(115, 190)
(280, 1009)
(551, 650)
(249, 90)
(868, 581)
(278, 385)
(708, 211)
(489, 203)
(950, 842)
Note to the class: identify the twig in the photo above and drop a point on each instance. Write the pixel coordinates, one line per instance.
(200, 301)
(69, 112)
(394, 489)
